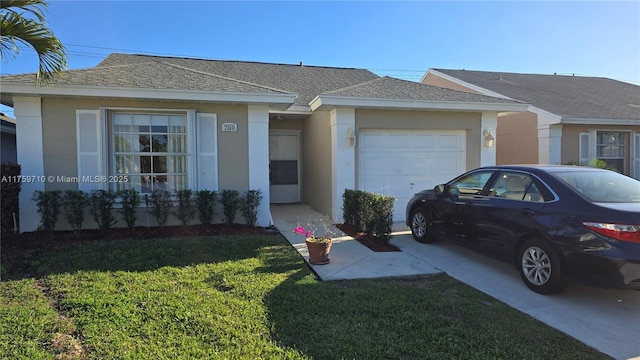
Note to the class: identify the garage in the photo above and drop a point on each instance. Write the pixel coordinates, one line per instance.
(402, 162)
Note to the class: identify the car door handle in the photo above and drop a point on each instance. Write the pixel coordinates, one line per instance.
(526, 211)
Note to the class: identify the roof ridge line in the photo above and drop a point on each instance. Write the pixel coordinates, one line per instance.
(356, 85)
(223, 77)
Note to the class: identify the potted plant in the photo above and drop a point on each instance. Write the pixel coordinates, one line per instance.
(318, 246)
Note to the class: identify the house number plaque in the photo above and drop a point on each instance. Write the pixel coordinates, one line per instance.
(229, 127)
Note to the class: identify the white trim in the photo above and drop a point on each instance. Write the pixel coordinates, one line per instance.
(550, 144)
(635, 155)
(298, 135)
(258, 138)
(201, 183)
(30, 155)
(475, 88)
(343, 169)
(601, 122)
(21, 88)
(192, 155)
(327, 101)
(584, 159)
(99, 154)
(545, 117)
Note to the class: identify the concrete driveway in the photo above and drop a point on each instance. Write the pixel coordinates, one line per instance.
(608, 320)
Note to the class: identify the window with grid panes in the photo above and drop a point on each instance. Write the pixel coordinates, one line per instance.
(150, 150)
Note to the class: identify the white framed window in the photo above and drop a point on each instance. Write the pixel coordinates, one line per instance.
(611, 147)
(149, 151)
(619, 149)
(153, 149)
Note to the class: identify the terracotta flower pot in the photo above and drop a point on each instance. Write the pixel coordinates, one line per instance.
(318, 252)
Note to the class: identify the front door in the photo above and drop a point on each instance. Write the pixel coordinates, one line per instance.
(284, 167)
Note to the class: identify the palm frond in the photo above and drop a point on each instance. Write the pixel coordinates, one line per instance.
(34, 7)
(51, 53)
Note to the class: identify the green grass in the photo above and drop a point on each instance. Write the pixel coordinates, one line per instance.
(248, 297)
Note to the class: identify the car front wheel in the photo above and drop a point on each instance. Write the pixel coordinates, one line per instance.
(421, 227)
(540, 267)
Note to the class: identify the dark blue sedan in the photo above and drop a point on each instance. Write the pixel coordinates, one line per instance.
(552, 222)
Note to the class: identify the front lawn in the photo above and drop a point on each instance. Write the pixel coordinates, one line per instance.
(248, 297)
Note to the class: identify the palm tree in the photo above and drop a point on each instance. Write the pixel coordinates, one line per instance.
(16, 28)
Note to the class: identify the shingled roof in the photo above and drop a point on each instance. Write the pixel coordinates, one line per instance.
(298, 83)
(572, 97)
(392, 88)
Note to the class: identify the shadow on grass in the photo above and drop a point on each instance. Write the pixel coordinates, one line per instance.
(135, 254)
(428, 317)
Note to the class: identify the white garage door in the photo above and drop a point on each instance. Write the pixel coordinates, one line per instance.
(402, 162)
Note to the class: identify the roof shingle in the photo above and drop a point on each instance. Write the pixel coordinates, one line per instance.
(574, 97)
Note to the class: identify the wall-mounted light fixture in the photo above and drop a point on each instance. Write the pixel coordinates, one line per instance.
(488, 138)
(351, 138)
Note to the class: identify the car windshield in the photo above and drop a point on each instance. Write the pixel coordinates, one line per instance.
(602, 186)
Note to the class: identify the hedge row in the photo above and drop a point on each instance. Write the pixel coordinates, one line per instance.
(183, 204)
(369, 212)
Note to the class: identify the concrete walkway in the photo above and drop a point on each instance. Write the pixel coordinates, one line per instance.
(607, 320)
(349, 258)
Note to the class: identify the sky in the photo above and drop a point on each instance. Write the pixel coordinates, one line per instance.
(399, 39)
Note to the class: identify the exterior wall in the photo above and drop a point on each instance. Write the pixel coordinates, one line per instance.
(571, 140)
(427, 120)
(59, 122)
(434, 80)
(287, 124)
(60, 158)
(517, 139)
(316, 161)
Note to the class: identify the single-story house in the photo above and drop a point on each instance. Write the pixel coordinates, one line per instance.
(298, 133)
(571, 119)
(7, 139)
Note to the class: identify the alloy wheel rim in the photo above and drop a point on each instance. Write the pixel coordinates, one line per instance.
(419, 225)
(536, 265)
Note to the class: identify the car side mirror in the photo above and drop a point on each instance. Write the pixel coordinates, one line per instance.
(439, 189)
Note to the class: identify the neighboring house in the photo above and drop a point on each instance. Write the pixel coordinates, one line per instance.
(298, 133)
(572, 119)
(8, 139)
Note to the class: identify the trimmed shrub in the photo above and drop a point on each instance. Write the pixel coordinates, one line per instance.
(130, 202)
(230, 200)
(74, 202)
(369, 212)
(249, 206)
(350, 207)
(48, 203)
(186, 207)
(206, 203)
(10, 187)
(101, 208)
(160, 205)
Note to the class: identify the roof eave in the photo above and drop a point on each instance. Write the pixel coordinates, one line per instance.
(327, 101)
(598, 121)
(28, 89)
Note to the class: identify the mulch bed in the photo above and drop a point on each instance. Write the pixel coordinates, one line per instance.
(373, 243)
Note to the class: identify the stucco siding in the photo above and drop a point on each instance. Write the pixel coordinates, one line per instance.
(434, 80)
(427, 120)
(316, 162)
(517, 139)
(59, 129)
(571, 139)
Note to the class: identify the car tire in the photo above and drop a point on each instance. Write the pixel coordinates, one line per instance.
(541, 268)
(421, 226)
